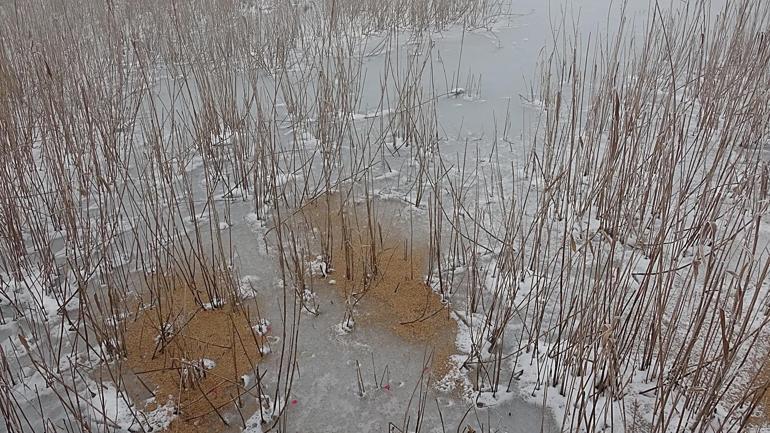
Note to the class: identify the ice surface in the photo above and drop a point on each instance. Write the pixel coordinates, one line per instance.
(334, 348)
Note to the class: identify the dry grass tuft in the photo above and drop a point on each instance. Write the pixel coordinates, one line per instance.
(173, 367)
(393, 296)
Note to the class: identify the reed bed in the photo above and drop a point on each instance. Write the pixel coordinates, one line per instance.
(628, 287)
(609, 264)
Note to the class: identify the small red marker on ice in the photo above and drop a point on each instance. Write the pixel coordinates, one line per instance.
(294, 402)
(386, 387)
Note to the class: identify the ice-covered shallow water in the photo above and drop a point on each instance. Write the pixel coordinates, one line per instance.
(495, 68)
(326, 396)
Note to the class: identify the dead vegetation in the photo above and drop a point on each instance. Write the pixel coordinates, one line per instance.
(194, 356)
(628, 247)
(379, 271)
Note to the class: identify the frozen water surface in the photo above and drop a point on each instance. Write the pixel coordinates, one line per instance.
(348, 375)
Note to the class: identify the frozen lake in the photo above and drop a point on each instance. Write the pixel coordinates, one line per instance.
(335, 217)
